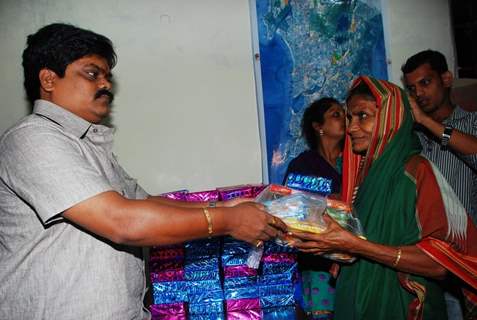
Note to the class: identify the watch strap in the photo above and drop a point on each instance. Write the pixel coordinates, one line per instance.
(446, 137)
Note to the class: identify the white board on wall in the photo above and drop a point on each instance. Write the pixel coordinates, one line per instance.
(185, 107)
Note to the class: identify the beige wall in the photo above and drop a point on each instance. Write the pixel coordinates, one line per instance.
(412, 26)
(186, 108)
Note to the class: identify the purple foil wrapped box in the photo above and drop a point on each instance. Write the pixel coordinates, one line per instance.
(202, 196)
(241, 191)
(175, 195)
(170, 311)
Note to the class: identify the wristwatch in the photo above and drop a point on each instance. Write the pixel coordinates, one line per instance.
(446, 137)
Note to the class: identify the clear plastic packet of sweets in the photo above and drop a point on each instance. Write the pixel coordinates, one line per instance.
(303, 211)
(300, 210)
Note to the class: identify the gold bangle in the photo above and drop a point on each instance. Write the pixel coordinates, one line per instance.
(210, 230)
(398, 257)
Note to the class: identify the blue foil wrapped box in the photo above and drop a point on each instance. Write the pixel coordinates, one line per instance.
(309, 183)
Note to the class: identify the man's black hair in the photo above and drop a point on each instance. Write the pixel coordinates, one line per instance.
(57, 45)
(435, 59)
(315, 113)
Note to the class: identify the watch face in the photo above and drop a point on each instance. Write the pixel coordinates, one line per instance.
(446, 136)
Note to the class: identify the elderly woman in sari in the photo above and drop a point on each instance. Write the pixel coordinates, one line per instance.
(412, 219)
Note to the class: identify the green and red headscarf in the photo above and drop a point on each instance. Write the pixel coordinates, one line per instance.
(384, 198)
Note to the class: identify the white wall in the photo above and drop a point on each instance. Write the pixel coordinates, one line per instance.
(412, 26)
(185, 107)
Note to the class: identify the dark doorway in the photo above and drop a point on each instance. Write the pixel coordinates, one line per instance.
(464, 22)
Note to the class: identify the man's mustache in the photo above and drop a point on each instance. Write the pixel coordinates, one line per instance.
(104, 92)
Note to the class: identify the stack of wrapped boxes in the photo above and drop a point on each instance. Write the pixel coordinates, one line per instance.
(210, 279)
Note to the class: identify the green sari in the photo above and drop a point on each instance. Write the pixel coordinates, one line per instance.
(385, 202)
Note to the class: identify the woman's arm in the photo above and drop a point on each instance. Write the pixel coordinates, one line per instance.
(409, 259)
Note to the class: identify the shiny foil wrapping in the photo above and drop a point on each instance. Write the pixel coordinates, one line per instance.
(234, 260)
(309, 183)
(228, 193)
(202, 249)
(168, 275)
(252, 314)
(274, 268)
(204, 289)
(242, 304)
(209, 316)
(166, 271)
(235, 247)
(280, 313)
(170, 311)
(175, 195)
(239, 271)
(202, 196)
(279, 258)
(241, 292)
(210, 307)
(268, 290)
(277, 301)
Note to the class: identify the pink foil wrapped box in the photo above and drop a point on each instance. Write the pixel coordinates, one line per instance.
(239, 271)
(169, 311)
(242, 304)
(253, 314)
(202, 196)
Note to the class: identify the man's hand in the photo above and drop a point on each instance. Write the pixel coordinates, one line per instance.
(419, 115)
(248, 221)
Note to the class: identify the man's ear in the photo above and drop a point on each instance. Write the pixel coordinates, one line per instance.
(47, 79)
(447, 79)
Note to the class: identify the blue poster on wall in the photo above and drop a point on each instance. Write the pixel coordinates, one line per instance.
(311, 49)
